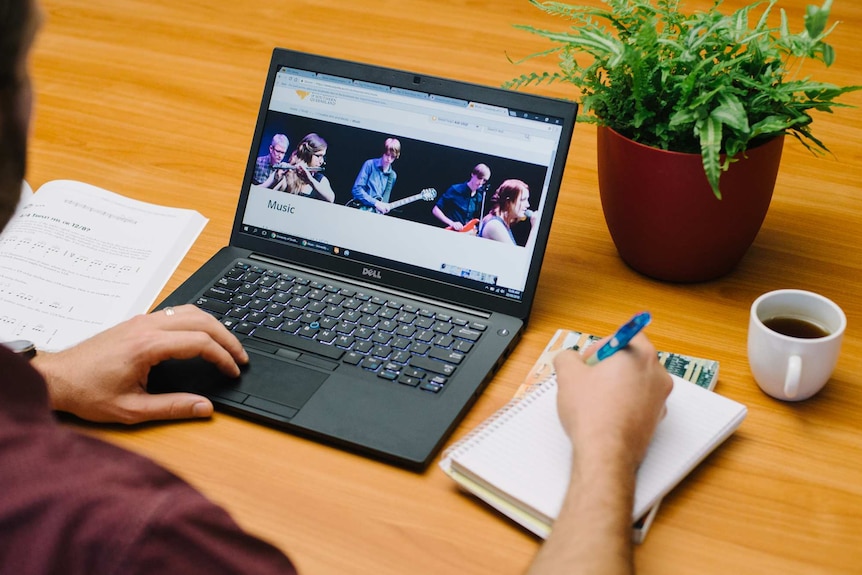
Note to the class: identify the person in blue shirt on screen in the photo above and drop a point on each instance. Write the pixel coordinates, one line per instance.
(376, 178)
(461, 205)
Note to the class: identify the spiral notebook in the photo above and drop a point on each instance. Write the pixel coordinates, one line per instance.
(703, 372)
(519, 460)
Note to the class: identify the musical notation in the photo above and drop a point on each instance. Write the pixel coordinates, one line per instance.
(52, 255)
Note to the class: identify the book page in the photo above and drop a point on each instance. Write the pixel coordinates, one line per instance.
(77, 259)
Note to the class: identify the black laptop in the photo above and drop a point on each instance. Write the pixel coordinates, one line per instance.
(371, 324)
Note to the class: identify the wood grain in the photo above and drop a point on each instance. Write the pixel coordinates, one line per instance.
(157, 100)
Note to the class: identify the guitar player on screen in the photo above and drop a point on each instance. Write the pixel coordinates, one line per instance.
(460, 208)
(375, 180)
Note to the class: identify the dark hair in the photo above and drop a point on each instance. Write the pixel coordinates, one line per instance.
(310, 144)
(16, 29)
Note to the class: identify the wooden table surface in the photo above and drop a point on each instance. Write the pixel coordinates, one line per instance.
(157, 100)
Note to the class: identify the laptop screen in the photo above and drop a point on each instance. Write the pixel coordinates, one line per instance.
(404, 179)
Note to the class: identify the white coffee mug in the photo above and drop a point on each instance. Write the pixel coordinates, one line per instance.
(793, 365)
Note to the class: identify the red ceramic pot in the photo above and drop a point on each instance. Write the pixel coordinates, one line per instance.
(665, 220)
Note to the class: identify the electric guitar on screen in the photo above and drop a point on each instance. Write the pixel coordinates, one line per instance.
(469, 227)
(428, 194)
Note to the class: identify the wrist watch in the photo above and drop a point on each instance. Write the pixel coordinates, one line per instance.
(22, 347)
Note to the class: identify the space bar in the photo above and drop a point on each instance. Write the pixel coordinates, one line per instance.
(297, 342)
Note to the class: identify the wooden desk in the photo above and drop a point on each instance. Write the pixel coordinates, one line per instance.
(157, 100)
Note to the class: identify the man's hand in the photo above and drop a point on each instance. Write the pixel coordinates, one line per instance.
(615, 405)
(105, 377)
(382, 207)
(610, 411)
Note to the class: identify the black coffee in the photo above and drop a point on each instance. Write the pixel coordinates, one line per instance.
(795, 327)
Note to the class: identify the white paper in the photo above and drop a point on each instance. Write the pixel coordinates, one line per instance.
(77, 259)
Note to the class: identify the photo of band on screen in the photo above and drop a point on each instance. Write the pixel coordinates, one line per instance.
(463, 191)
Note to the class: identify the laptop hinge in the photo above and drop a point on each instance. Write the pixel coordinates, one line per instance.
(273, 261)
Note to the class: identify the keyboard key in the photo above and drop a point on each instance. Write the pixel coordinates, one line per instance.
(438, 380)
(326, 336)
(419, 348)
(432, 365)
(387, 374)
(449, 356)
(413, 372)
(244, 327)
(371, 363)
(442, 327)
(219, 293)
(400, 356)
(363, 346)
(467, 333)
(381, 337)
(210, 304)
(407, 380)
(344, 341)
(463, 346)
(237, 312)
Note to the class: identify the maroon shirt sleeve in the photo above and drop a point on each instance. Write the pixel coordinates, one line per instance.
(72, 504)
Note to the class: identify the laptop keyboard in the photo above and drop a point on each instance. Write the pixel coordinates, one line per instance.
(399, 340)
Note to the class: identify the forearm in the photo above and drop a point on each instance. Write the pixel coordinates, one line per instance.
(592, 534)
(440, 215)
(323, 190)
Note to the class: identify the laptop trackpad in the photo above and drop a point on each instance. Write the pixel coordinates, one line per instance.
(279, 381)
(264, 376)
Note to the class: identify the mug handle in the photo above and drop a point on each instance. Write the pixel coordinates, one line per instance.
(791, 381)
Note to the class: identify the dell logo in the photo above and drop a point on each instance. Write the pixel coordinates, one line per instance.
(371, 272)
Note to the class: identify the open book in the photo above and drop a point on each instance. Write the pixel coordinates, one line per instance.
(519, 460)
(76, 259)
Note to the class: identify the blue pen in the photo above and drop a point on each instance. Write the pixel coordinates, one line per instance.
(622, 338)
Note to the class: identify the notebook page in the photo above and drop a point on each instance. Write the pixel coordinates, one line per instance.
(697, 421)
(525, 453)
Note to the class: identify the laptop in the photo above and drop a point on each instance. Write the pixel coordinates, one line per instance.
(375, 330)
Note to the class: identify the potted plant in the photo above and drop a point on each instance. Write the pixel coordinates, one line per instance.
(692, 110)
